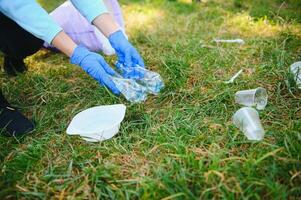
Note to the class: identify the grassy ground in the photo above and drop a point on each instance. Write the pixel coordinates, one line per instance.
(181, 144)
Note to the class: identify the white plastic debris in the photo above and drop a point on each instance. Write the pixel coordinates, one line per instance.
(247, 120)
(296, 71)
(231, 80)
(98, 123)
(256, 97)
(238, 41)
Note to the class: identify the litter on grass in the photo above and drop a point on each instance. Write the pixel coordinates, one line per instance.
(130, 89)
(135, 83)
(247, 120)
(295, 69)
(231, 80)
(256, 97)
(97, 123)
(152, 81)
(238, 41)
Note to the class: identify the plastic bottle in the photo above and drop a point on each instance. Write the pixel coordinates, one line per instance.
(130, 89)
(151, 80)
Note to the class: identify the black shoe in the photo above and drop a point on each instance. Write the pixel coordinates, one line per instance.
(12, 122)
(12, 66)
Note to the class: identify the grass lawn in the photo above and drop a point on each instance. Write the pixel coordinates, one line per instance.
(182, 143)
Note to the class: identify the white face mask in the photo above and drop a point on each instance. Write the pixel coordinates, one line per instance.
(98, 123)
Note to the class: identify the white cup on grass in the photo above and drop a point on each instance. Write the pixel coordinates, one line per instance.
(247, 120)
(256, 97)
(296, 71)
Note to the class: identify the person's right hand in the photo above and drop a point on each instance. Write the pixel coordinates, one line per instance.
(95, 65)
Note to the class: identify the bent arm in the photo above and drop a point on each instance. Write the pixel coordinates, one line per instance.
(64, 43)
(33, 18)
(96, 13)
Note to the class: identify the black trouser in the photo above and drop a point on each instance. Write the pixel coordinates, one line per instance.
(15, 42)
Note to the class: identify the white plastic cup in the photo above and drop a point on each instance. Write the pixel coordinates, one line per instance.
(296, 71)
(256, 97)
(247, 120)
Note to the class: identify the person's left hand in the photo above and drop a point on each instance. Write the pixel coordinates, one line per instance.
(125, 51)
(95, 65)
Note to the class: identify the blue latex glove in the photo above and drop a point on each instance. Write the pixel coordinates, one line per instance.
(125, 51)
(95, 65)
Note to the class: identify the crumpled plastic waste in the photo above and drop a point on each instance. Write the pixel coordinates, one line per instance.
(97, 123)
(136, 82)
(130, 89)
(152, 81)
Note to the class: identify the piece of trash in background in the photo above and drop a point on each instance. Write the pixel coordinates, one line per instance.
(256, 97)
(97, 123)
(238, 41)
(152, 81)
(247, 120)
(130, 89)
(231, 80)
(295, 69)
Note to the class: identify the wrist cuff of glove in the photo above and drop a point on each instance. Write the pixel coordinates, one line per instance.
(115, 37)
(78, 55)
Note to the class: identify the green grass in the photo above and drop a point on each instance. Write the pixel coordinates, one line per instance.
(182, 143)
